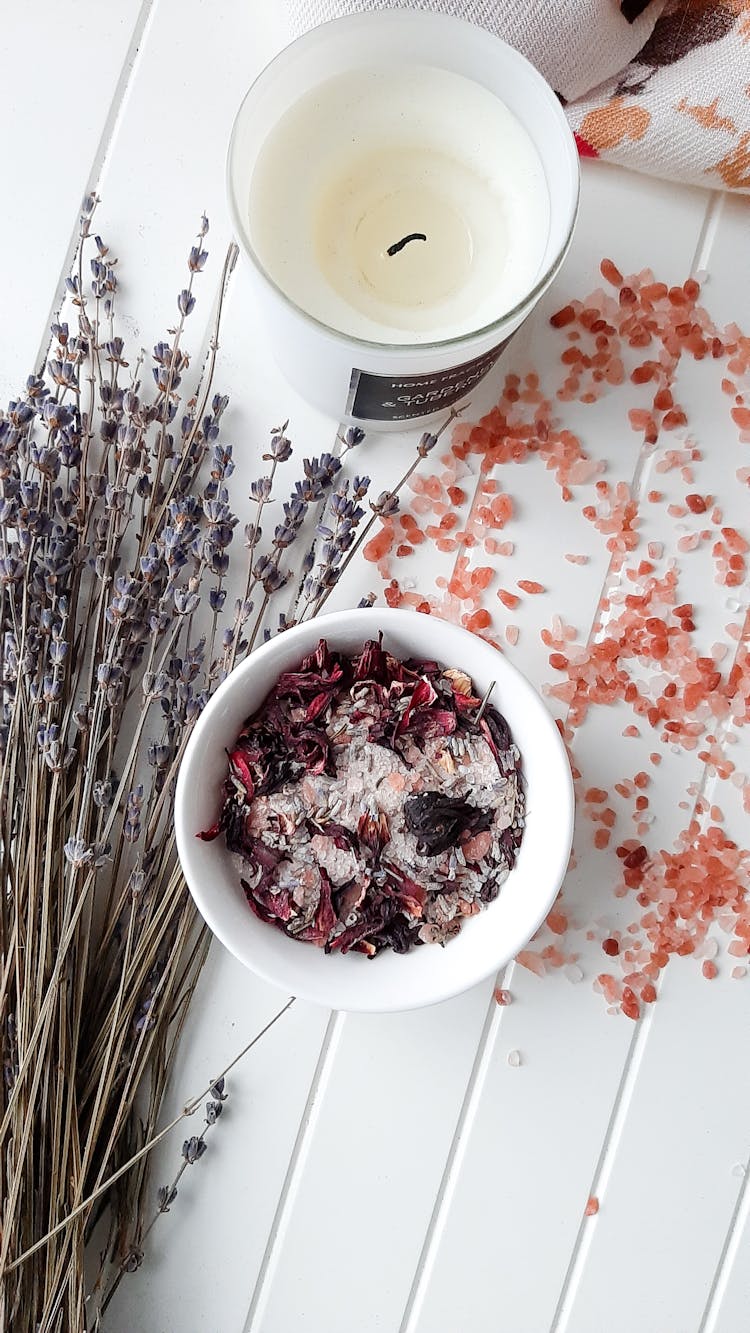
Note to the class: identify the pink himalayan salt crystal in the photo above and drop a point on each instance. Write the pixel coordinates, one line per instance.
(514, 1059)
(573, 973)
(507, 435)
(512, 633)
(502, 996)
(592, 1206)
(476, 848)
(738, 973)
(557, 921)
(554, 956)
(690, 542)
(340, 864)
(532, 961)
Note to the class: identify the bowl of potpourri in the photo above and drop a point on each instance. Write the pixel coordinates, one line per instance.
(375, 810)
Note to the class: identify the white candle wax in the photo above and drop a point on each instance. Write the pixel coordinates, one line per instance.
(405, 205)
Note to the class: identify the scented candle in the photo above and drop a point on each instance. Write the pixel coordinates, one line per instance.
(405, 185)
(426, 215)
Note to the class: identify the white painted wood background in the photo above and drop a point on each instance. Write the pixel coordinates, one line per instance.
(396, 1175)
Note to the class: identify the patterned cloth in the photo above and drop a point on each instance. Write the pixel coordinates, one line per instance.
(659, 85)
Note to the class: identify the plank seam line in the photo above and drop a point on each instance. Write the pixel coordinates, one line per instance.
(728, 1256)
(293, 1176)
(603, 1170)
(98, 164)
(455, 1157)
(707, 236)
(648, 452)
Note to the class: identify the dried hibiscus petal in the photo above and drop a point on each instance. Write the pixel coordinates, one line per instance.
(438, 821)
(368, 922)
(213, 831)
(343, 838)
(240, 769)
(266, 753)
(421, 696)
(497, 732)
(460, 682)
(319, 929)
(410, 894)
(372, 828)
(466, 703)
(372, 663)
(432, 722)
(305, 684)
(311, 748)
(400, 934)
(275, 907)
(331, 802)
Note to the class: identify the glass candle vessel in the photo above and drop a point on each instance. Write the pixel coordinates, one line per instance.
(405, 186)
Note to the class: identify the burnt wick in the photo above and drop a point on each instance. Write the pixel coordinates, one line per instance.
(399, 245)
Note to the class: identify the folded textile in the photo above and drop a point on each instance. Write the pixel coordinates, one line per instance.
(662, 87)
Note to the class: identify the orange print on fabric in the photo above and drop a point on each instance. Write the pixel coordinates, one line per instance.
(740, 8)
(734, 168)
(707, 116)
(607, 126)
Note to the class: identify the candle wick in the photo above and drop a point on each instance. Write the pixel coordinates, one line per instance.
(399, 245)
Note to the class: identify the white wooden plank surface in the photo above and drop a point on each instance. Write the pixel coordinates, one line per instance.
(360, 1201)
(66, 70)
(209, 1248)
(398, 1174)
(535, 1181)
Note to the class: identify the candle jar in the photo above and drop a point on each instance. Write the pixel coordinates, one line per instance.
(405, 186)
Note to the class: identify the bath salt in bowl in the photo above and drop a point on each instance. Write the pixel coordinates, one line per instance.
(310, 814)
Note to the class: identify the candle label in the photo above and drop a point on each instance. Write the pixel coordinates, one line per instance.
(399, 398)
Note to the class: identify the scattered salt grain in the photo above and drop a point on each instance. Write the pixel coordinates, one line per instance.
(739, 1170)
(514, 1059)
(502, 996)
(573, 972)
(679, 703)
(592, 1206)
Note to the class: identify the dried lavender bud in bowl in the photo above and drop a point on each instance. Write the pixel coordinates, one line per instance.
(351, 787)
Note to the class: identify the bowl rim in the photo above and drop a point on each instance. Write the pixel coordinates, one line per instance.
(308, 634)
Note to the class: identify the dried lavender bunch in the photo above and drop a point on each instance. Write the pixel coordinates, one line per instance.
(345, 533)
(115, 534)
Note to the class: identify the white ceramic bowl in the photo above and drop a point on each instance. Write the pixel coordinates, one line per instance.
(429, 973)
